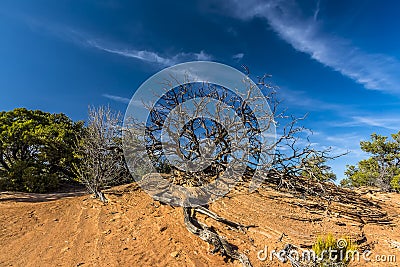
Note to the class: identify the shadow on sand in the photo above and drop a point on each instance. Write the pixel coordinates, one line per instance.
(34, 197)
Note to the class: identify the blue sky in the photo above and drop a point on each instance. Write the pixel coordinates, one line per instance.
(337, 60)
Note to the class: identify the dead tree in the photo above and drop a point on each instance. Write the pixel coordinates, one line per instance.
(197, 130)
(100, 152)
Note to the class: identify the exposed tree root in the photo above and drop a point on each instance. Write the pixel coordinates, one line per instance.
(210, 236)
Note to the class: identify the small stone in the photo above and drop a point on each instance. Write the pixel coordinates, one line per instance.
(65, 249)
(175, 254)
(133, 238)
(107, 232)
(163, 228)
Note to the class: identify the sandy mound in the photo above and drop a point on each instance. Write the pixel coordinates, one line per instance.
(135, 230)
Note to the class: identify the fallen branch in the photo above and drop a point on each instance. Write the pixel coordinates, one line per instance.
(209, 235)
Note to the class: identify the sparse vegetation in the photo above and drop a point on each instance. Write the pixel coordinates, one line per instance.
(331, 251)
(315, 168)
(382, 169)
(101, 160)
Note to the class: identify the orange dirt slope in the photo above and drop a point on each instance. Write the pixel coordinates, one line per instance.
(135, 230)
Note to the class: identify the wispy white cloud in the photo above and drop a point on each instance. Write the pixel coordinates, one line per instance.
(373, 71)
(316, 12)
(232, 31)
(238, 56)
(199, 56)
(81, 38)
(388, 122)
(344, 141)
(143, 55)
(340, 144)
(302, 100)
(383, 121)
(150, 56)
(117, 98)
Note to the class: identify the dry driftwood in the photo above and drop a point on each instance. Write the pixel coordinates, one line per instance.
(320, 197)
(209, 235)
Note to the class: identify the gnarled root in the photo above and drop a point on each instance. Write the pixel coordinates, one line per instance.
(210, 236)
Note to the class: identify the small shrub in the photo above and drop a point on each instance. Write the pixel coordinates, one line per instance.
(334, 252)
(395, 183)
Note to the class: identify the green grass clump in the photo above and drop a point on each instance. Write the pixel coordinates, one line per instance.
(334, 252)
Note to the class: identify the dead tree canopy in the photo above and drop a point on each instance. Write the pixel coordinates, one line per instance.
(198, 132)
(205, 138)
(100, 152)
(218, 127)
